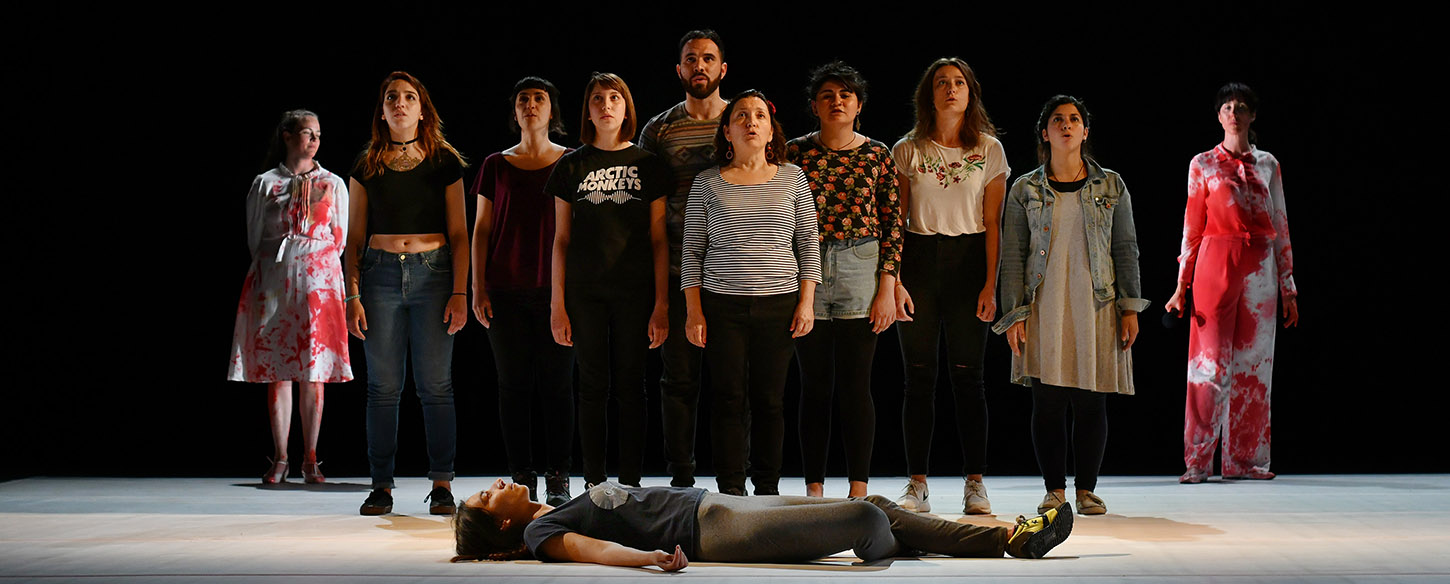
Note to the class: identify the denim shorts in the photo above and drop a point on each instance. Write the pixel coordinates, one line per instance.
(848, 278)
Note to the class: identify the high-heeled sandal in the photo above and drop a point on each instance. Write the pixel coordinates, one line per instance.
(312, 473)
(276, 474)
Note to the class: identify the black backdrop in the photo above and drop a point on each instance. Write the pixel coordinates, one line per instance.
(124, 376)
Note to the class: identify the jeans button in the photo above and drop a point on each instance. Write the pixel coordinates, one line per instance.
(402, 257)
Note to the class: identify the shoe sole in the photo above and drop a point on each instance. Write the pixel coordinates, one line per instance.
(1055, 533)
(371, 511)
(922, 507)
(1092, 510)
(977, 511)
(442, 510)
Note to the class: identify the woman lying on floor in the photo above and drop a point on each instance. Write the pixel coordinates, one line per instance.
(617, 525)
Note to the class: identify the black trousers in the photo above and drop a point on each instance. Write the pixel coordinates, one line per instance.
(1049, 434)
(535, 383)
(944, 274)
(611, 342)
(679, 393)
(748, 343)
(835, 361)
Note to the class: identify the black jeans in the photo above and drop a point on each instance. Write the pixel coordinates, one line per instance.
(836, 359)
(611, 342)
(535, 382)
(679, 393)
(748, 343)
(1049, 434)
(944, 274)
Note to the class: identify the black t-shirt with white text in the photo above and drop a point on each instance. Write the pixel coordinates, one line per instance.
(609, 233)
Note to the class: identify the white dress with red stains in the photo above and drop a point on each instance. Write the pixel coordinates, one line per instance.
(1237, 259)
(291, 321)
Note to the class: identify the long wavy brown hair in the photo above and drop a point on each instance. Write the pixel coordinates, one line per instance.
(976, 123)
(430, 129)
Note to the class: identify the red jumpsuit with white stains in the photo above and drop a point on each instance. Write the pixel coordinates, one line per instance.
(1236, 258)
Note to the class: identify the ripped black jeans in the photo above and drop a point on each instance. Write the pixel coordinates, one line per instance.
(944, 274)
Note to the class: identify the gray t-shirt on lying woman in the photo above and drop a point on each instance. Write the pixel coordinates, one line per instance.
(646, 518)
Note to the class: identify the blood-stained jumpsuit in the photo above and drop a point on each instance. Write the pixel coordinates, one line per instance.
(1236, 259)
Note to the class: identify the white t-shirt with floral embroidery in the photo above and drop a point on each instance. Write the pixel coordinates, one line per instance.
(948, 184)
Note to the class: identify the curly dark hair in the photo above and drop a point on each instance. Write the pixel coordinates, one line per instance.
(841, 73)
(479, 536)
(777, 139)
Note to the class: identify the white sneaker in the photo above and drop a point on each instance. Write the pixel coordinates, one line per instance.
(914, 497)
(974, 499)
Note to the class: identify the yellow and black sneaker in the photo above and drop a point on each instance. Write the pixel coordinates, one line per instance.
(1035, 536)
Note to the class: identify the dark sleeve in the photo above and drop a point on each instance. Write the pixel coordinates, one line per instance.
(484, 181)
(793, 152)
(561, 180)
(649, 137)
(660, 181)
(449, 170)
(560, 521)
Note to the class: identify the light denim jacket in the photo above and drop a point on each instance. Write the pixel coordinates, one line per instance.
(1027, 232)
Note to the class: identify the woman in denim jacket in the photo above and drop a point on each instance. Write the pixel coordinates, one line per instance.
(1068, 226)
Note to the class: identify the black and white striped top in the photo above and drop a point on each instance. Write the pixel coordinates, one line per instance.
(750, 240)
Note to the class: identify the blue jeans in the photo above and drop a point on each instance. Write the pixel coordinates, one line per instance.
(404, 297)
(848, 278)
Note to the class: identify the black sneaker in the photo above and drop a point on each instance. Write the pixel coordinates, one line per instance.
(379, 502)
(556, 488)
(1034, 537)
(442, 502)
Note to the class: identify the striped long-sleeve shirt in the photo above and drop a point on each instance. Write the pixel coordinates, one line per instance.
(750, 240)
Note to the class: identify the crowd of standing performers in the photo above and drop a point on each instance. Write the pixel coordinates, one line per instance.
(718, 239)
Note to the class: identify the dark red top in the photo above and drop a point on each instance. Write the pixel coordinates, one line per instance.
(522, 241)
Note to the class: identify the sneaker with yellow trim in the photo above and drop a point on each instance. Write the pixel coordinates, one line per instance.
(1035, 537)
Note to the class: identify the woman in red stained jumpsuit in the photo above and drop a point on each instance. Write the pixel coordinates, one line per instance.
(1236, 259)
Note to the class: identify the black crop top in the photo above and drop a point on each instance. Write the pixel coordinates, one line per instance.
(411, 201)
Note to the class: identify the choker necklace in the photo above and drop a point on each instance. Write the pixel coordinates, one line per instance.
(397, 143)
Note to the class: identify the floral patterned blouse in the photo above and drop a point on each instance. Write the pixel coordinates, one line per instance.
(856, 193)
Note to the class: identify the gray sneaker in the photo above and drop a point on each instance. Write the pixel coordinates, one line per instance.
(914, 497)
(974, 499)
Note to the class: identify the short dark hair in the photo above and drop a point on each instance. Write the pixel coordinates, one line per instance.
(777, 138)
(1044, 150)
(841, 73)
(556, 116)
(1234, 90)
(704, 33)
(477, 535)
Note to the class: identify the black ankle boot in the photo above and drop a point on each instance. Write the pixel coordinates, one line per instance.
(556, 488)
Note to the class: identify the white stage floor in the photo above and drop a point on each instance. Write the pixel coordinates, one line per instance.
(1321, 528)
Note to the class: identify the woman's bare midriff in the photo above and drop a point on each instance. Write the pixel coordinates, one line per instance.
(408, 242)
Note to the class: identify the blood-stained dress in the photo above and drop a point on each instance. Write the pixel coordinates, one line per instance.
(291, 321)
(1237, 259)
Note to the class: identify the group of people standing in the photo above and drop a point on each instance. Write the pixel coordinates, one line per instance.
(718, 240)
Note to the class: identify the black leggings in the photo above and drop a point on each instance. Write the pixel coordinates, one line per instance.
(535, 382)
(836, 358)
(801, 529)
(944, 274)
(1049, 434)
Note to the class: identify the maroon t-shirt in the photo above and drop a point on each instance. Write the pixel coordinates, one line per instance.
(521, 245)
